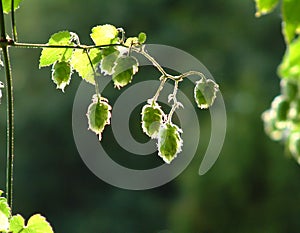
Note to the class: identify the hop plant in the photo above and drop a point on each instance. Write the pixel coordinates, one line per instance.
(205, 93)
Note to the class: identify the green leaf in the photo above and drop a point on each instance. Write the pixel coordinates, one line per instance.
(7, 5)
(265, 6)
(291, 19)
(124, 70)
(205, 93)
(294, 145)
(281, 107)
(290, 65)
(5, 214)
(37, 224)
(80, 62)
(61, 74)
(104, 34)
(98, 115)
(152, 118)
(108, 61)
(270, 125)
(51, 55)
(169, 142)
(17, 223)
(142, 37)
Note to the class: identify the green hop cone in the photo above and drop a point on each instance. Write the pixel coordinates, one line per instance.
(61, 74)
(205, 93)
(289, 89)
(152, 117)
(169, 142)
(98, 115)
(126, 67)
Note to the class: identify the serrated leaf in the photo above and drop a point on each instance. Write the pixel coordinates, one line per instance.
(98, 115)
(291, 19)
(265, 6)
(205, 93)
(108, 61)
(142, 37)
(124, 70)
(290, 65)
(5, 214)
(80, 62)
(7, 5)
(17, 223)
(37, 224)
(104, 34)
(51, 55)
(169, 142)
(152, 117)
(61, 74)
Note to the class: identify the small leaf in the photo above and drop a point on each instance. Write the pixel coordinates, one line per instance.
(294, 145)
(291, 19)
(5, 214)
(270, 125)
(7, 5)
(124, 70)
(169, 142)
(108, 61)
(104, 34)
(37, 224)
(290, 65)
(265, 6)
(80, 62)
(17, 223)
(142, 37)
(61, 74)
(152, 118)
(51, 55)
(205, 93)
(98, 115)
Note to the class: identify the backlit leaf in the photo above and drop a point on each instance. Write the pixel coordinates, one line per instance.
(51, 55)
(124, 70)
(98, 115)
(205, 92)
(80, 62)
(152, 117)
(17, 223)
(291, 19)
(265, 6)
(169, 142)
(104, 34)
(7, 5)
(61, 74)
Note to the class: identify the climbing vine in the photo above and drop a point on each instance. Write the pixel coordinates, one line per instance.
(112, 55)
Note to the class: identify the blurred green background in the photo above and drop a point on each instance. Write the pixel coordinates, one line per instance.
(253, 187)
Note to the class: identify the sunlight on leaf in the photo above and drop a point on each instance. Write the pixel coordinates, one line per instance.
(265, 6)
(51, 55)
(291, 19)
(7, 5)
(104, 34)
(98, 115)
(205, 93)
(61, 74)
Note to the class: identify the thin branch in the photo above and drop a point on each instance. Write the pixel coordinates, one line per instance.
(94, 71)
(13, 21)
(2, 23)
(30, 45)
(10, 127)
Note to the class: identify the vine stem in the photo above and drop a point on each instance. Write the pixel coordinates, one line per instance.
(94, 71)
(13, 21)
(10, 110)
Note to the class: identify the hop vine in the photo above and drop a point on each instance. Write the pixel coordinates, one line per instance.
(112, 56)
